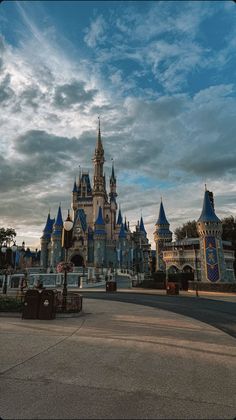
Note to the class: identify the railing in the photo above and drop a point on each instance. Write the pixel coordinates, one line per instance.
(48, 280)
(73, 302)
(180, 254)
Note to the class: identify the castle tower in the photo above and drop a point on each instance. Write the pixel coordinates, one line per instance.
(74, 197)
(99, 240)
(113, 195)
(162, 235)
(56, 252)
(144, 246)
(122, 249)
(45, 242)
(99, 186)
(209, 229)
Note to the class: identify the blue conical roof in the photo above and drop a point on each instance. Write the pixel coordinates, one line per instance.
(122, 233)
(49, 224)
(113, 178)
(100, 224)
(125, 226)
(74, 187)
(119, 219)
(100, 220)
(162, 220)
(48, 227)
(208, 213)
(59, 220)
(141, 226)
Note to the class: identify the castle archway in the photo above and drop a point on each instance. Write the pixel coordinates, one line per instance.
(187, 269)
(77, 260)
(173, 269)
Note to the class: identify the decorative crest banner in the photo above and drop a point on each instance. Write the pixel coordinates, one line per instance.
(211, 257)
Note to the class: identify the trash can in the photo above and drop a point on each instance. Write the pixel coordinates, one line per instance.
(31, 304)
(47, 305)
(111, 286)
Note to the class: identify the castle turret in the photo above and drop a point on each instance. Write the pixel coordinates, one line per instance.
(121, 250)
(99, 240)
(142, 228)
(99, 188)
(56, 252)
(45, 242)
(113, 195)
(119, 218)
(209, 229)
(74, 196)
(162, 235)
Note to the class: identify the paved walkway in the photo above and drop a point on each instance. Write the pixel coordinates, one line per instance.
(116, 361)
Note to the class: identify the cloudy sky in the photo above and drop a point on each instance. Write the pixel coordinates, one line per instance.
(162, 77)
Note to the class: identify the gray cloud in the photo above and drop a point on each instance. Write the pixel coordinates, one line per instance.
(73, 93)
(206, 165)
(215, 148)
(38, 157)
(5, 90)
(31, 97)
(40, 142)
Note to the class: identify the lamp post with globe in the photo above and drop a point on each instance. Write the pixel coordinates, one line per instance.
(66, 243)
(4, 252)
(14, 249)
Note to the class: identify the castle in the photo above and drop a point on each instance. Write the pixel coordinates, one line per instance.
(208, 257)
(102, 238)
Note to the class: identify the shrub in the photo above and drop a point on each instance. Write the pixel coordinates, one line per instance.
(10, 304)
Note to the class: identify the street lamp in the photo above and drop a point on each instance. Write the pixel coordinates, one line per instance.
(67, 227)
(14, 249)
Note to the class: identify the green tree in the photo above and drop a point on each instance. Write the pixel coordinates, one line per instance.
(7, 235)
(188, 229)
(229, 229)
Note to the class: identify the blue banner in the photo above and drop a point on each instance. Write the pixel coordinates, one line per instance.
(212, 265)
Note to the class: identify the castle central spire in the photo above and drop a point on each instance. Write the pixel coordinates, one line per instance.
(98, 160)
(99, 147)
(99, 139)
(99, 182)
